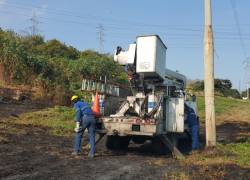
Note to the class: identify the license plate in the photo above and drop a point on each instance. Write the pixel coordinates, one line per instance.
(136, 127)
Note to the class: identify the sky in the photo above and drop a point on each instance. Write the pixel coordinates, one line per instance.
(179, 23)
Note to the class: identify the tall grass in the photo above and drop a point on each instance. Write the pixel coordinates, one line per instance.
(222, 105)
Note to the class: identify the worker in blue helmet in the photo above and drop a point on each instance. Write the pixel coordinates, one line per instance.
(84, 119)
(193, 124)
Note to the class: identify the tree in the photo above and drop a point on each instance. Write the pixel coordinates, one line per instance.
(55, 48)
(222, 86)
(52, 65)
(234, 93)
(198, 86)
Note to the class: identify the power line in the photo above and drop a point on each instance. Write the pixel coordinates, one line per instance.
(118, 26)
(112, 25)
(235, 13)
(243, 47)
(100, 32)
(218, 35)
(118, 32)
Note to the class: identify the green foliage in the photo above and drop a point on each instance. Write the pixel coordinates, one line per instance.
(198, 86)
(232, 93)
(53, 65)
(60, 120)
(241, 150)
(55, 48)
(221, 86)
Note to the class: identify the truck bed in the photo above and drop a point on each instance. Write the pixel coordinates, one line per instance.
(133, 125)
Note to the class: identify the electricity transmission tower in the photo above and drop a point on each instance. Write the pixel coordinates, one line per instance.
(100, 32)
(243, 47)
(34, 24)
(247, 76)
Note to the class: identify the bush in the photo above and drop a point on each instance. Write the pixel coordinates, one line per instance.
(52, 65)
(221, 87)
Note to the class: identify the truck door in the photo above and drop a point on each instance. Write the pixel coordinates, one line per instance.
(175, 115)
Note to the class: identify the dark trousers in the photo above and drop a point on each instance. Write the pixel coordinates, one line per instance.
(195, 136)
(89, 123)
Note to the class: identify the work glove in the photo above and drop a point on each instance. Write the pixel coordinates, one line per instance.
(87, 147)
(78, 128)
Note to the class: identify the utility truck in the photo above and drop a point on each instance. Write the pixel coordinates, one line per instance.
(155, 111)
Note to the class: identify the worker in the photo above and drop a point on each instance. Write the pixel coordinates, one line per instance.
(193, 124)
(193, 97)
(84, 119)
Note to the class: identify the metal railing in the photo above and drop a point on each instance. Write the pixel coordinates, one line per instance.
(100, 86)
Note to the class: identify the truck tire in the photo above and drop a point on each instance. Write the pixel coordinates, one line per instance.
(116, 143)
(138, 139)
(158, 147)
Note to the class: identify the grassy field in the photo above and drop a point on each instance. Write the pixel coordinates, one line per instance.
(232, 111)
(60, 122)
(222, 105)
(60, 119)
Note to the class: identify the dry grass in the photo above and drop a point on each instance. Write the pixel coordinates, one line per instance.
(225, 106)
(176, 175)
(240, 113)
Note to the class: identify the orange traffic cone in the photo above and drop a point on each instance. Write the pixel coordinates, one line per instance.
(95, 107)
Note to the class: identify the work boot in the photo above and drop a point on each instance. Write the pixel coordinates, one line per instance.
(91, 156)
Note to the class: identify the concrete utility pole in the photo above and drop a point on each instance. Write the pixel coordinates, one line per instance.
(209, 77)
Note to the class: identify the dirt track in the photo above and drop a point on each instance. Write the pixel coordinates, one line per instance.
(30, 152)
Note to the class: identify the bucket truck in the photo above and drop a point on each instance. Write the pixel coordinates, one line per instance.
(156, 108)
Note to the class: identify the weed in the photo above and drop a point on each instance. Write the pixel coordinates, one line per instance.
(59, 119)
(241, 150)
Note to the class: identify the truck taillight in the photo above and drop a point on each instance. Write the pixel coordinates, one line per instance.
(152, 121)
(136, 121)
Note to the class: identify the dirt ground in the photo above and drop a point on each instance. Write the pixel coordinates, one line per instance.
(30, 152)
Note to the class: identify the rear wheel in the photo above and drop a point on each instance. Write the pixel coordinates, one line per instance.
(117, 142)
(159, 147)
(138, 139)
